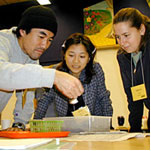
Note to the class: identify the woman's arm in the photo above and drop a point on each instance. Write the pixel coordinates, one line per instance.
(103, 103)
(43, 103)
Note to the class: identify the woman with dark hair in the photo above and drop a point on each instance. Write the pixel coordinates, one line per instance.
(132, 32)
(78, 60)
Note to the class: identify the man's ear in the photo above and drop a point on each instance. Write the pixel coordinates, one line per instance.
(22, 32)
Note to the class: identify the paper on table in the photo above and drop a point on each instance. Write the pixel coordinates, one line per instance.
(22, 143)
(109, 137)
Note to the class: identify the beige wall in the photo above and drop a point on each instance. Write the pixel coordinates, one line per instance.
(107, 59)
(8, 111)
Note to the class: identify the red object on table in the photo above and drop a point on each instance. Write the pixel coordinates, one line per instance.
(28, 134)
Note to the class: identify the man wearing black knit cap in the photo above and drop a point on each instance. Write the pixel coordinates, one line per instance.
(20, 49)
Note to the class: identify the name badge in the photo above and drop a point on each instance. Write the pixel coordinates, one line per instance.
(139, 92)
(82, 111)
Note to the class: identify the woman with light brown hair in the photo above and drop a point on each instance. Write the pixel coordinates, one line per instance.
(132, 32)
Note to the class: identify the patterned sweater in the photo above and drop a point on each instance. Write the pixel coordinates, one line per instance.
(95, 96)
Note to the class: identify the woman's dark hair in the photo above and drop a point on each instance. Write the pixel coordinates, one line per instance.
(79, 38)
(136, 18)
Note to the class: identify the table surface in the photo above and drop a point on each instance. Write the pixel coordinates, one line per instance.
(142, 143)
(130, 144)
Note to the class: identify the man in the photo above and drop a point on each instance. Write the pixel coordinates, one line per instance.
(20, 49)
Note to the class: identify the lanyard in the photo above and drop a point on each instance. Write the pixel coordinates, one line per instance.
(141, 69)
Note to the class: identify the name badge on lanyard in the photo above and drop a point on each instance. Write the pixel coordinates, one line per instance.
(138, 91)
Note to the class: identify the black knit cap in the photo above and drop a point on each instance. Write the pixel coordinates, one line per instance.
(39, 17)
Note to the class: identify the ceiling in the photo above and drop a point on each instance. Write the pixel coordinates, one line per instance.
(7, 2)
(62, 3)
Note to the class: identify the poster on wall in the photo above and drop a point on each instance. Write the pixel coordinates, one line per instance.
(98, 24)
(148, 2)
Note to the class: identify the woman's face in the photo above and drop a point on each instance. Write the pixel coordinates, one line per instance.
(76, 58)
(128, 37)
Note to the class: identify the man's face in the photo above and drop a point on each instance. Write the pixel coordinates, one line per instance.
(35, 43)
